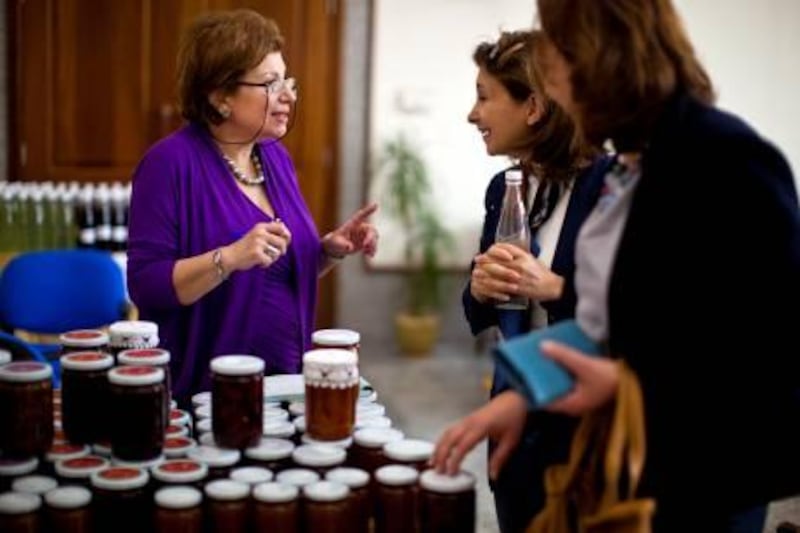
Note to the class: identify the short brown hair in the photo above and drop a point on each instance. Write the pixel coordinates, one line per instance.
(627, 58)
(554, 145)
(216, 50)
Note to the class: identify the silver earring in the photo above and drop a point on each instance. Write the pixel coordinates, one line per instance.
(225, 112)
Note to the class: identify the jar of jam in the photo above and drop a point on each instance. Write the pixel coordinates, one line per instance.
(396, 505)
(137, 403)
(227, 505)
(251, 475)
(158, 358)
(297, 477)
(367, 450)
(345, 339)
(447, 502)
(128, 334)
(331, 382)
(180, 472)
(26, 408)
(319, 458)
(85, 396)
(19, 512)
(276, 508)
(80, 469)
(34, 484)
(120, 497)
(68, 510)
(178, 447)
(327, 507)
(178, 510)
(410, 452)
(83, 340)
(238, 406)
(61, 452)
(272, 454)
(11, 469)
(361, 505)
(220, 461)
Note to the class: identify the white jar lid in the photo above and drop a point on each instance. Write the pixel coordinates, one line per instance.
(370, 409)
(376, 437)
(178, 446)
(173, 431)
(299, 477)
(145, 465)
(121, 331)
(297, 408)
(144, 357)
(135, 375)
(81, 467)
(335, 337)
(237, 365)
(376, 422)
(330, 357)
(179, 417)
(83, 338)
(178, 497)
(252, 475)
(326, 491)
(367, 396)
(207, 439)
(120, 478)
(275, 414)
(204, 425)
(5, 356)
(278, 429)
(300, 424)
(180, 471)
(435, 482)
(19, 503)
(409, 450)
(25, 371)
(352, 477)
(214, 457)
(17, 467)
(227, 490)
(203, 411)
(269, 449)
(396, 475)
(344, 443)
(201, 398)
(275, 492)
(59, 452)
(71, 497)
(102, 448)
(318, 455)
(87, 361)
(34, 484)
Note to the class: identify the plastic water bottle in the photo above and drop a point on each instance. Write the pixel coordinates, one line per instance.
(513, 228)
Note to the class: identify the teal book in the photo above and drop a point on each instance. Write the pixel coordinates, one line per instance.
(531, 373)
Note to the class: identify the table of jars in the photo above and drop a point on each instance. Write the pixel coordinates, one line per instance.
(313, 452)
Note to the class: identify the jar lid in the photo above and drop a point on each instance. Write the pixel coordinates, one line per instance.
(376, 437)
(237, 365)
(19, 503)
(335, 337)
(396, 475)
(275, 414)
(178, 497)
(145, 465)
(180, 471)
(367, 396)
(133, 334)
(71, 497)
(144, 357)
(135, 375)
(300, 424)
(201, 398)
(204, 425)
(227, 490)
(173, 404)
(178, 446)
(367, 410)
(252, 475)
(278, 428)
(5, 356)
(269, 449)
(206, 439)
(102, 448)
(17, 467)
(203, 411)
(83, 338)
(435, 482)
(120, 478)
(87, 361)
(173, 431)
(297, 408)
(25, 371)
(330, 368)
(326, 491)
(409, 450)
(214, 457)
(299, 477)
(81, 467)
(375, 422)
(352, 477)
(34, 484)
(59, 452)
(344, 443)
(318, 455)
(179, 417)
(275, 492)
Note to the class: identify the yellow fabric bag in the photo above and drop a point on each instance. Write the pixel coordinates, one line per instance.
(596, 491)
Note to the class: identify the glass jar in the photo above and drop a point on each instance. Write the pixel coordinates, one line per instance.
(238, 406)
(319, 458)
(367, 450)
(276, 508)
(220, 461)
(297, 477)
(19, 512)
(178, 510)
(410, 452)
(80, 469)
(26, 408)
(396, 505)
(34, 484)
(361, 504)
(227, 505)
(447, 502)
(11, 469)
(85, 396)
(137, 403)
(158, 358)
(180, 472)
(128, 334)
(251, 475)
(344, 339)
(178, 447)
(327, 507)
(331, 382)
(68, 510)
(121, 498)
(83, 340)
(62, 452)
(272, 454)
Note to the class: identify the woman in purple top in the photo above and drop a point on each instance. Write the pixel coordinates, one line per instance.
(223, 252)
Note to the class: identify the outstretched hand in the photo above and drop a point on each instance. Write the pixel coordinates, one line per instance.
(357, 234)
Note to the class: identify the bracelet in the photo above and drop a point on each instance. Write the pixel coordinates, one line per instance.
(217, 260)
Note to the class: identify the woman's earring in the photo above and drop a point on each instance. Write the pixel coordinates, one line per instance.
(225, 112)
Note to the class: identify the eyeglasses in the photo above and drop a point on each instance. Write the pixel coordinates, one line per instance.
(274, 86)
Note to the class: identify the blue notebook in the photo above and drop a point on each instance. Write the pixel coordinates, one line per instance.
(535, 375)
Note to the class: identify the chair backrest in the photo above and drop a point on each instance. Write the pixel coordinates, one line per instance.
(60, 290)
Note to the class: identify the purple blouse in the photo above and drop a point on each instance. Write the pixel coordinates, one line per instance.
(185, 202)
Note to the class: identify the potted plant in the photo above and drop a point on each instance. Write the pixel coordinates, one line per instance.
(407, 196)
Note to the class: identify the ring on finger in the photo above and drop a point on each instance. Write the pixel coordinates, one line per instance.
(272, 251)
